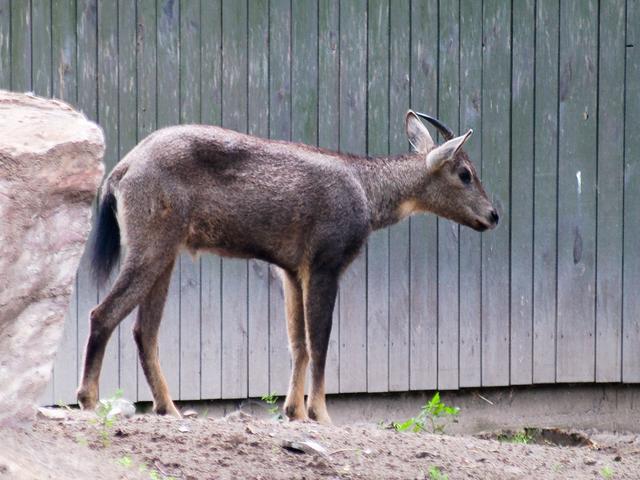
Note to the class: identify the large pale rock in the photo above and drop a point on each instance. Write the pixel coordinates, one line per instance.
(50, 169)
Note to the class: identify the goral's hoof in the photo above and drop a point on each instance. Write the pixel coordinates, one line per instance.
(167, 410)
(320, 416)
(295, 413)
(87, 400)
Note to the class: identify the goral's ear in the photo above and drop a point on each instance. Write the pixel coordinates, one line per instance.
(417, 133)
(445, 152)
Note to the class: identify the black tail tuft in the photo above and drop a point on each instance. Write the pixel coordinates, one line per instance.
(105, 241)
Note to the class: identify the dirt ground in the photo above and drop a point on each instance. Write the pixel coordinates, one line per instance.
(240, 446)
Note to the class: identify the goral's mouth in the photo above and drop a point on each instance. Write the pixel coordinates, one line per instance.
(483, 225)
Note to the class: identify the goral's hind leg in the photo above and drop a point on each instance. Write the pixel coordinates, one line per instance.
(294, 404)
(145, 332)
(132, 284)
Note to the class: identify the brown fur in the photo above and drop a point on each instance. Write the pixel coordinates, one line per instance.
(305, 209)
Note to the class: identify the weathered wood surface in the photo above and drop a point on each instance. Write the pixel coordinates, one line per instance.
(551, 90)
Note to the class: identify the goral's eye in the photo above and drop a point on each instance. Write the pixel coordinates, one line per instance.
(465, 176)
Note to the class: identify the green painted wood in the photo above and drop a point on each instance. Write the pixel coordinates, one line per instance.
(522, 165)
(577, 191)
(329, 137)
(378, 245)
(353, 107)
(448, 231)
(342, 75)
(631, 301)
(167, 114)
(545, 191)
(190, 94)
(234, 272)
(280, 128)
(5, 44)
(259, 125)
(610, 191)
(495, 175)
(64, 68)
(399, 240)
(211, 278)
(423, 228)
(127, 139)
(146, 70)
(470, 241)
(21, 46)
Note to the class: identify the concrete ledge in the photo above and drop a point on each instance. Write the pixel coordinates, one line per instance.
(607, 407)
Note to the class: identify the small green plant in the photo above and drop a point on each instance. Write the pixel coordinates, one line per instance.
(81, 440)
(125, 461)
(271, 399)
(606, 472)
(523, 436)
(105, 421)
(436, 474)
(434, 417)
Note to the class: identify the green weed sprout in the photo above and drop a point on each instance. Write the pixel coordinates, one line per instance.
(436, 474)
(271, 399)
(104, 420)
(434, 417)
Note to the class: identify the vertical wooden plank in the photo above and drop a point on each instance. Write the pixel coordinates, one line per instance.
(610, 191)
(64, 87)
(211, 287)
(304, 73)
(424, 232)
(21, 46)
(470, 240)
(87, 291)
(329, 137)
(127, 137)
(448, 231)
(41, 53)
(189, 266)
(280, 128)
(577, 199)
(545, 191)
(234, 272)
(631, 301)
(107, 76)
(353, 105)
(168, 113)
(259, 125)
(399, 255)
(5, 44)
(147, 110)
(495, 174)
(41, 84)
(378, 245)
(522, 118)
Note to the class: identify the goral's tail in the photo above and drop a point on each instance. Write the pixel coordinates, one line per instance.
(105, 241)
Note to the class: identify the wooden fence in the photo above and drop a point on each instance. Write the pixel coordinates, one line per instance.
(552, 91)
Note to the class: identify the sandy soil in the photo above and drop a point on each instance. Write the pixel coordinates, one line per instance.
(241, 446)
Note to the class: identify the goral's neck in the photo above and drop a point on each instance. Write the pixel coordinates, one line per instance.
(392, 185)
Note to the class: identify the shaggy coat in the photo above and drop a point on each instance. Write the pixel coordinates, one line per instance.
(307, 210)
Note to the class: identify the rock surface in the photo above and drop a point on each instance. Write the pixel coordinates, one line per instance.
(50, 169)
